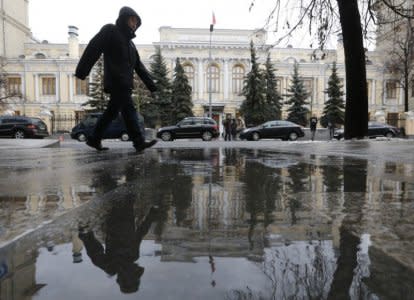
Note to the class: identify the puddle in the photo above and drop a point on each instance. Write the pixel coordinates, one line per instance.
(228, 224)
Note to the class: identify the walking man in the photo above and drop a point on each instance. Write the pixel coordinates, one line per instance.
(121, 59)
(313, 122)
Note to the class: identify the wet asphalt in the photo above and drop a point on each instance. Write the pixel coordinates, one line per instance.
(267, 219)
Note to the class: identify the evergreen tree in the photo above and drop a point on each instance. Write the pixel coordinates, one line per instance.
(334, 106)
(181, 94)
(162, 100)
(253, 107)
(98, 99)
(144, 103)
(273, 98)
(297, 99)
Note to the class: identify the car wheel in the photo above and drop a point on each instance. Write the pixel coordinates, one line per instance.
(124, 137)
(19, 134)
(81, 137)
(293, 136)
(166, 136)
(207, 136)
(389, 134)
(255, 136)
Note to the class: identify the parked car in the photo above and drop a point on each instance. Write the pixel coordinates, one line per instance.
(116, 130)
(21, 127)
(277, 129)
(375, 129)
(191, 127)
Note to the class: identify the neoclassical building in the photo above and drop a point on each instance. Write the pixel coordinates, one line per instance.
(42, 72)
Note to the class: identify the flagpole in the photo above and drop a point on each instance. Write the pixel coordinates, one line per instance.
(210, 114)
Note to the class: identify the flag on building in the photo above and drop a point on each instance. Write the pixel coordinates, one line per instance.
(213, 22)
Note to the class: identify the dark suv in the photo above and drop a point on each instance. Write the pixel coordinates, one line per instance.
(116, 130)
(191, 127)
(20, 127)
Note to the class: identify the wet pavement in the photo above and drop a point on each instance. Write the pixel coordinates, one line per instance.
(209, 221)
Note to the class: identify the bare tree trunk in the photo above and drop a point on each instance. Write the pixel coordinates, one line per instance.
(356, 109)
(406, 95)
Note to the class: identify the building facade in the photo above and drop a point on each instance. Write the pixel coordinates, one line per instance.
(42, 73)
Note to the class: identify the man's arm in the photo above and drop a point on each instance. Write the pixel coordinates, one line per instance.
(144, 74)
(92, 53)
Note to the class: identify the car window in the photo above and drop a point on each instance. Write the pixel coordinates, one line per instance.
(8, 121)
(91, 120)
(186, 122)
(18, 121)
(198, 121)
(37, 121)
(266, 125)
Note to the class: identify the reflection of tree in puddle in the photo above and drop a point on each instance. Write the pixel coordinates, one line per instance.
(302, 270)
(261, 189)
(332, 175)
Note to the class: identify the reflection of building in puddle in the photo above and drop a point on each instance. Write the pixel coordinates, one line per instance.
(19, 281)
(21, 213)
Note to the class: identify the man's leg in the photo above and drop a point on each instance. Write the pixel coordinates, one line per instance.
(134, 126)
(109, 114)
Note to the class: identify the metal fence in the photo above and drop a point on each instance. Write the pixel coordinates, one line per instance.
(63, 123)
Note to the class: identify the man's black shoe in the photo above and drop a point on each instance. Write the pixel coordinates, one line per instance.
(96, 144)
(141, 147)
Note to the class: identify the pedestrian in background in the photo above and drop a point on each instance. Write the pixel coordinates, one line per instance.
(227, 128)
(233, 126)
(313, 122)
(331, 128)
(121, 59)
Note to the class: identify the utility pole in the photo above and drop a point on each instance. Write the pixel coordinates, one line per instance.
(210, 114)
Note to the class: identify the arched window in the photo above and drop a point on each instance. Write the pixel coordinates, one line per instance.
(189, 71)
(213, 73)
(237, 79)
(40, 56)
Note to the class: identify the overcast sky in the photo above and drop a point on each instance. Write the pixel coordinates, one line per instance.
(49, 19)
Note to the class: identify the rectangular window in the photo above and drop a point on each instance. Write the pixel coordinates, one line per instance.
(81, 87)
(48, 86)
(213, 77)
(279, 85)
(391, 89)
(238, 79)
(14, 86)
(189, 72)
(308, 85)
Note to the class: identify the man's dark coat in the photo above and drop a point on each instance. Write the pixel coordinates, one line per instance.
(121, 57)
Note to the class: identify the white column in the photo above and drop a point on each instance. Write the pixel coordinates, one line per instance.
(373, 92)
(71, 91)
(226, 79)
(401, 101)
(57, 93)
(36, 80)
(200, 79)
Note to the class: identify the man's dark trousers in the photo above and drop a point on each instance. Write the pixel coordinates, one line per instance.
(121, 101)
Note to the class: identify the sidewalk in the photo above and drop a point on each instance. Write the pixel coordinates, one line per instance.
(28, 143)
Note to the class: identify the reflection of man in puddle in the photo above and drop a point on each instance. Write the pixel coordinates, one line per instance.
(123, 240)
